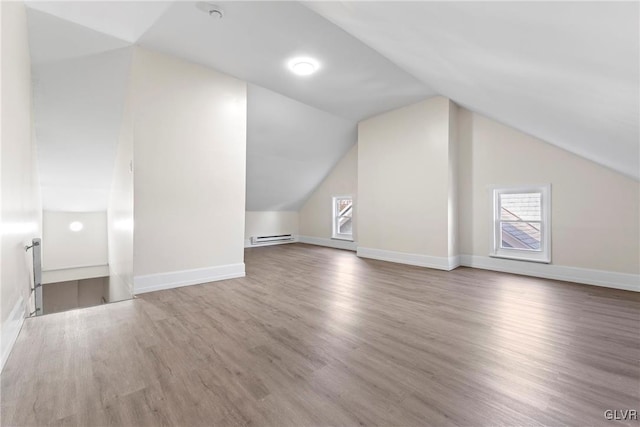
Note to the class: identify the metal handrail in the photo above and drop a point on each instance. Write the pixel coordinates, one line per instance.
(36, 251)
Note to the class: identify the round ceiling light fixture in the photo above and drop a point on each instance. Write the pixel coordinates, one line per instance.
(211, 9)
(303, 66)
(76, 226)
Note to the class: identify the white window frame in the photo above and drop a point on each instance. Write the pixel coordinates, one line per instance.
(544, 254)
(335, 217)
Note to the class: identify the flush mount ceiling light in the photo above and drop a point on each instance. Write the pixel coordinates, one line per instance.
(75, 226)
(303, 66)
(211, 9)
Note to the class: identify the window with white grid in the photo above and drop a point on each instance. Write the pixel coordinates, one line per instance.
(522, 223)
(343, 217)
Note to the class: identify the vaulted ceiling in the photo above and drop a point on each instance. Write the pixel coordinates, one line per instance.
(564, 72)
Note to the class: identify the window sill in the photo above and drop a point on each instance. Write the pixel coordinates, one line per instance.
(346, 239)
(541, 260)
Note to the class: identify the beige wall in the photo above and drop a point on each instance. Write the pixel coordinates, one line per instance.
(63, 248)
(189, 180)
(20, 206)
(595, 211)
(120, 210)
(452, 214)
(269, 223)
(316, 214)
(403, 180)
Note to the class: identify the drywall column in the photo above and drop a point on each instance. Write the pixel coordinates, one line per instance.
(452, 219)
(189, 182)
(120, 210)
(405, 194)
(20, 197)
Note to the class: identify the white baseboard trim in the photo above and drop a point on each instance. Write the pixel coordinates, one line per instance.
(608, 279)
(330, 243)
(247, 243)
(11, 329)
(177, 279)
(440, 263)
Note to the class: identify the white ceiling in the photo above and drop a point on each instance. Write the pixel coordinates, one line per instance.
(564, 72)
(254, 40)
(123, 20)
(52, 39)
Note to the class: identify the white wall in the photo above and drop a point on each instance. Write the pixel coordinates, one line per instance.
(595, 211)
(270, 223)
(66, 249)
(189, 180)
(316, 215)
(404, 185)
(20, 195)
(440, 162)
(120, 209)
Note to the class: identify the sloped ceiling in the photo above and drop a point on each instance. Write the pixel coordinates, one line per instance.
(79, 80)
(52, 39)
(123, 20)
(293, 140)
(564, 72)
(290, 149)
(78, 113)
(255, 40)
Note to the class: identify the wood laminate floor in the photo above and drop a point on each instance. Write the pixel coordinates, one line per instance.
(316, 336)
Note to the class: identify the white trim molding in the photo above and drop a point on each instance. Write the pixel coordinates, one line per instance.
(440, 263)
(177, 279)
(247, 242)
(330, 243)
(74, 273)
(608, 279)
(11, 329)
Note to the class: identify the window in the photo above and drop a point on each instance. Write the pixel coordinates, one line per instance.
(343, 218)
(522, 223)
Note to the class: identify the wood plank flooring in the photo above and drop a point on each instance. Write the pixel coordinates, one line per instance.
(316, 336)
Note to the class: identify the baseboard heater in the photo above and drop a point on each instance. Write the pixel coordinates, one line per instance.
(280, 238)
